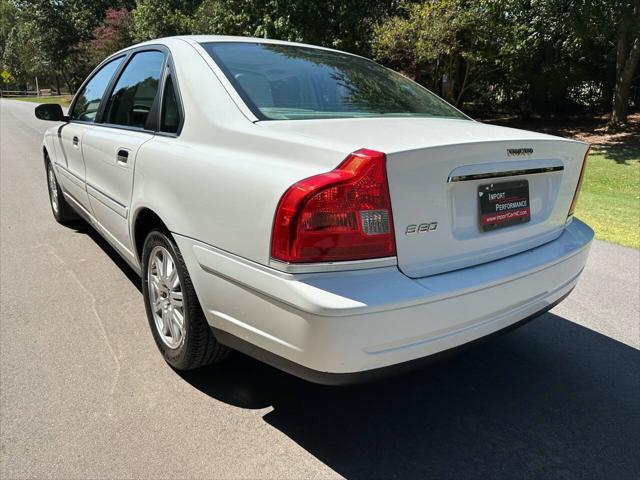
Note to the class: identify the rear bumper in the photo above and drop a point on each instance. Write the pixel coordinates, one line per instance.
(328, 327)
(329, 378)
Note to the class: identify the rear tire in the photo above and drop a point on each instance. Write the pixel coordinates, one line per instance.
(177, 321)
(62, 211)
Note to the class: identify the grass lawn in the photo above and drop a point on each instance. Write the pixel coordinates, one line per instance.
(610, 197)
(63, 100)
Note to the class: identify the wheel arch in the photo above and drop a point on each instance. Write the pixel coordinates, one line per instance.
(145, 219)
(45, 155)
(48, 147)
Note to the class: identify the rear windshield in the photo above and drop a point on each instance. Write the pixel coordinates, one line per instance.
(287, 82)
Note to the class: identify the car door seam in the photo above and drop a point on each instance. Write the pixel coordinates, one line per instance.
(95, 194)
(72, 176)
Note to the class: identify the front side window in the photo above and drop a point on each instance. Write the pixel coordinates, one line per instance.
(88, 101)
(135, 90)
(285, 82)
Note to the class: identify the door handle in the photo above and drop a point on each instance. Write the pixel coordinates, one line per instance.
(123, 156)
(75, 141)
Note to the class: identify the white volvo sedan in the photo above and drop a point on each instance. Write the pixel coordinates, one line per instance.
(310, 207)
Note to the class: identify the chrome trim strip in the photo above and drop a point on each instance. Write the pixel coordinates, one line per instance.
(333, 266)
(107, 201)
(510, 173)
(117, 244)
(78, 204)
(90, 185)
(121, 127)
(71, 176)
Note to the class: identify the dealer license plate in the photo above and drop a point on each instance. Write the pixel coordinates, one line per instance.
(503, 204)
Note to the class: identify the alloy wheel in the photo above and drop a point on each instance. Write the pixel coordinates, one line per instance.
(53, 189)
(165, 297)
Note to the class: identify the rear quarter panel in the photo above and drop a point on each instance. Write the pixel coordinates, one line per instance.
(220, 181)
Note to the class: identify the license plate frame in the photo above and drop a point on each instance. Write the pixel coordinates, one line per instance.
(503, 204)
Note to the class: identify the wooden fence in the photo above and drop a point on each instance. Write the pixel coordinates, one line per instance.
(28, 93)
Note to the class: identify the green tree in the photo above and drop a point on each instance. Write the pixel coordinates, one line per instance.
(112, 34)
(331, 23)
(549, 57)
(243, 18)
(560, 57)
(8, 14)
(23, 56)
(440, 43)
(554, 57)
(60, 28)
(627, 27)
(153, 19)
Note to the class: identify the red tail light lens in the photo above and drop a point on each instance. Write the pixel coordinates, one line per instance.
(580, 178)
(340, 215)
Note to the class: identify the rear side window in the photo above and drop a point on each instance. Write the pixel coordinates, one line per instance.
(170, 117)
(135, 91)
(88, 100)
(287, 82)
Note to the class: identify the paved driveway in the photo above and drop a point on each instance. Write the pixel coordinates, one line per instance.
(85, 394)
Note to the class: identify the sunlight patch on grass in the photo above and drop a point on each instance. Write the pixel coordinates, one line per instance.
(610, 198)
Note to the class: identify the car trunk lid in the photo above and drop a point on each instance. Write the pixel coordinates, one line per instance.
(436, 170)
(443, 187)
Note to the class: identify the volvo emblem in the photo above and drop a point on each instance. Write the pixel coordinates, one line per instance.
(519, 152)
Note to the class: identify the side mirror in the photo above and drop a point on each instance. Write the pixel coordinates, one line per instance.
(52, 112)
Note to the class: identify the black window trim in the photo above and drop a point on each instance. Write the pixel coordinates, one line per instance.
(153, 113)
(94, 72)
(170, 71)
(168, 67)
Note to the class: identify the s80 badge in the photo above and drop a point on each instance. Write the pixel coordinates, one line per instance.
(421, 228)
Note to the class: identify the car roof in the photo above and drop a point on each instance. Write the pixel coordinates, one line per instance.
(197, 39)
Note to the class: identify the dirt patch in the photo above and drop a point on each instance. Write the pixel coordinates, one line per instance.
(624, 142)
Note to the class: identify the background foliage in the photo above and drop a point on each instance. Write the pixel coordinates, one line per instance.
(529, 57)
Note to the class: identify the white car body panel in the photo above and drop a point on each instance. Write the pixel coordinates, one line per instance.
(217, 184)
(346, 322)
(71, 158)
(110, 180)
(423, 153)
(217, 138)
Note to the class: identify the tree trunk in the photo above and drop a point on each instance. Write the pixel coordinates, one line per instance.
(435, 78)
(627, 58)
(451, 81)
(626, 66)
(605, 102)
(463, 87)
(66, 80)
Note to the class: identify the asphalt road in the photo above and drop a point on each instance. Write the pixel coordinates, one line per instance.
(84, 393)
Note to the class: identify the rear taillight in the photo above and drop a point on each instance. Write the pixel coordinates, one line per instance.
(340, 215)
(580, 178)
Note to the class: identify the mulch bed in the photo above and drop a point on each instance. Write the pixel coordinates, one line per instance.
(592, 130)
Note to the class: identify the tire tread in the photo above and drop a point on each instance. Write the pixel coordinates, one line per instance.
(201, 346)
(66, 214)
